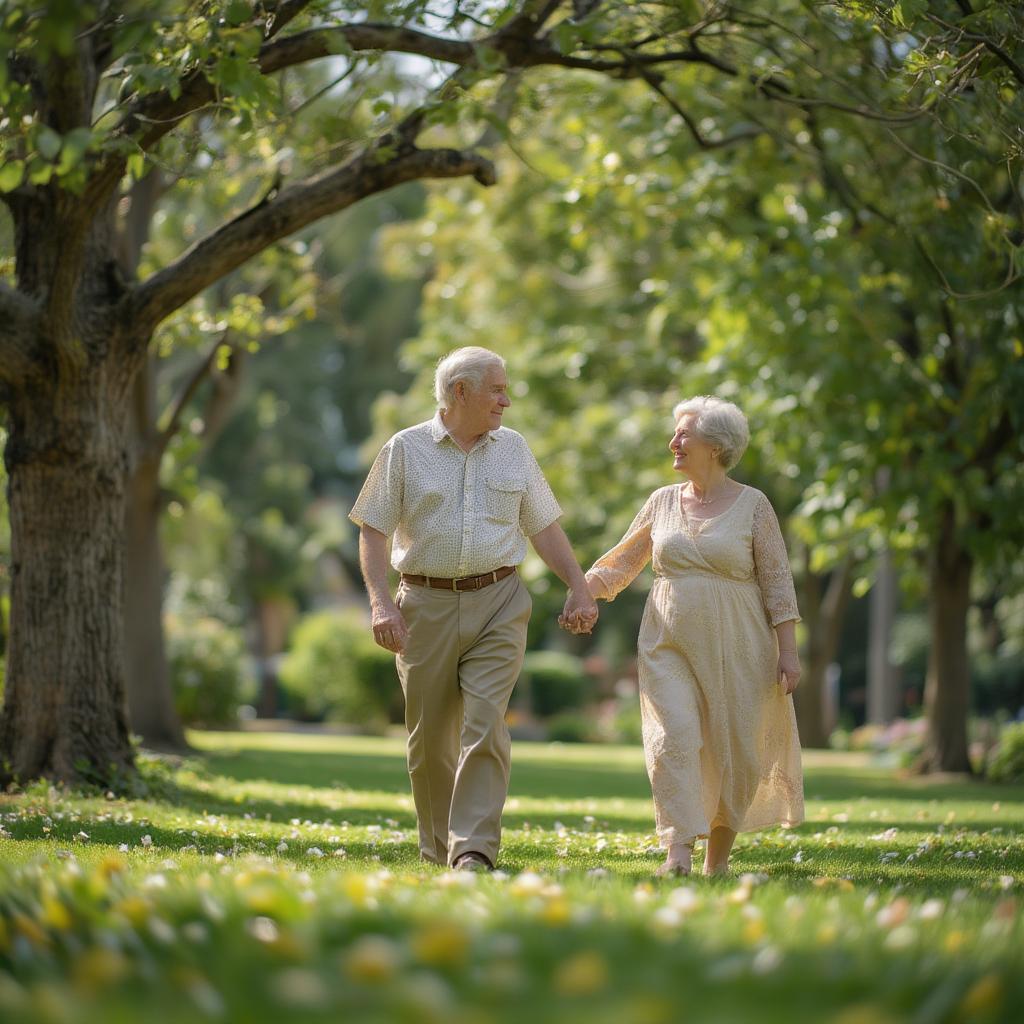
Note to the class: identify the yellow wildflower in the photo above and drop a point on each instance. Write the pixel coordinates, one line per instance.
(97, 967)
(55, 915)
(582, 974)
(372, 959)
(30, 929)
(984, 997)
(111, 865)
(556, 912)
(135, 908)
(440, 944)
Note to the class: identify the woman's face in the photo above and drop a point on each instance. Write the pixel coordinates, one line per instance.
(692, 455)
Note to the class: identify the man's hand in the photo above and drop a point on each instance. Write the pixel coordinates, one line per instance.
(580, 612)
(389, 628)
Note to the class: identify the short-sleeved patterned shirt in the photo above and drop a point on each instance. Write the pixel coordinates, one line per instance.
(452, 513)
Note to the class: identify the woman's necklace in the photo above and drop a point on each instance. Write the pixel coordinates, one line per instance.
(707, 498)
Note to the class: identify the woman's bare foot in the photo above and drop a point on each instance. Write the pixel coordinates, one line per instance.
(716, 859)
(678, 863)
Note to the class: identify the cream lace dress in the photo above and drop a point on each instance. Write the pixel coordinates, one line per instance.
(719, 734)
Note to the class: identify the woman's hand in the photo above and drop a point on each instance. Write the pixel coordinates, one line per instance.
(789, 670)
(580, 612)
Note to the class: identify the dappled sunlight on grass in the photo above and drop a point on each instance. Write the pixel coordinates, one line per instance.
(276, 876)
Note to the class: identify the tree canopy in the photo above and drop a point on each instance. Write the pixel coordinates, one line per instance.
(895, 127)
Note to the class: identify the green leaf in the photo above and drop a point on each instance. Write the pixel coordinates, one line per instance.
(135, 165)
(11, 175)
(48, 142)
(76, 144)
(39, 172)
(906, 12)
(565, 37)
(489, 58)
(337, 44)
(238, 12)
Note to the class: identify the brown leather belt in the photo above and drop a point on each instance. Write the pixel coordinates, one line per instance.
(465, 583)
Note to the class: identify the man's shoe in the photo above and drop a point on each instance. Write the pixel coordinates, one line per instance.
(472, 861)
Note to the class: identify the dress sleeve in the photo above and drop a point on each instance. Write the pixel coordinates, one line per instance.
(616, 569)
(379, 504)
(771, 565)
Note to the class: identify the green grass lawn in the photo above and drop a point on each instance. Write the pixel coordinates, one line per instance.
(275, 877)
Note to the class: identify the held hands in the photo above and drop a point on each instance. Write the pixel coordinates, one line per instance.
(389, 628)
(580, 612)
(789, 671)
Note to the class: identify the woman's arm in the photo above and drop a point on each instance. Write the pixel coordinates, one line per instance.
(775, 578)
(617, 568)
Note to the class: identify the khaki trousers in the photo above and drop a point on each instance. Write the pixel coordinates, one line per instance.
(460, 663)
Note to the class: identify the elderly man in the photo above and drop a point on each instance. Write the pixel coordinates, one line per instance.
(459, 495)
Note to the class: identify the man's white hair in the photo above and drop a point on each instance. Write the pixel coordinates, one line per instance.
(719, 423)
(470, 364)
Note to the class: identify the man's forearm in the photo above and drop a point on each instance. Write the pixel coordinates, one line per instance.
(554, 548)
(373, 561)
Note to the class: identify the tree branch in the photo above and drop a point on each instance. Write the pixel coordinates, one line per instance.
(226, 384)
(156, 115)
(153, 116)
(198, 375)
(701, 141)
(282, 14)
(19, 317)
(291, 209)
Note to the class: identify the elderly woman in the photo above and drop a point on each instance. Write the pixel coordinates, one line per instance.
(717, 647)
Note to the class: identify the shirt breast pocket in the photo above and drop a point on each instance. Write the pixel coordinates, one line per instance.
(504, 500)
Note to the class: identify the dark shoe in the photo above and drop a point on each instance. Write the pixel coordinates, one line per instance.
(472, 861)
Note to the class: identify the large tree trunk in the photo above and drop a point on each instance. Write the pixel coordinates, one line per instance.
(823, 607)
(947, 686)
(64, 714)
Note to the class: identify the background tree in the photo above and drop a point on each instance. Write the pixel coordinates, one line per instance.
(94, 94)
(868, 321)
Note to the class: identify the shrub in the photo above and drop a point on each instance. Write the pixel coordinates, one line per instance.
(627, 723)
(334, 670)
(900, 742)
(570, 727)
(1007, 764)
(555, 682)
(208, 672)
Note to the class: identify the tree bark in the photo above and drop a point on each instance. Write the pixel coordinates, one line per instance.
(883, 695)
(272, 618)
(824, 607)
(149, 686)
(64, 714)
(947, 685)
(148, 680)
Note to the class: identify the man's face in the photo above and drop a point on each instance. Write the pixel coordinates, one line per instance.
(484, 405)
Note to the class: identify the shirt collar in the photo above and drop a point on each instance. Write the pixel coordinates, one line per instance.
(438, 431)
